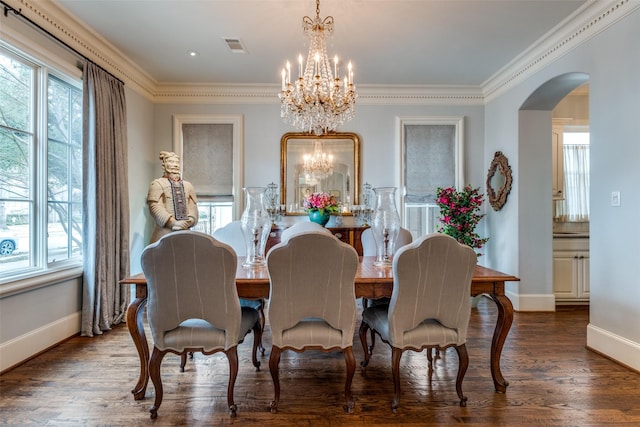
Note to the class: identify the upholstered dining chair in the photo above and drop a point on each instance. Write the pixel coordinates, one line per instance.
(193, 304)
(231, 234)
(369, 249)
(312, 304)
(302, 227)
(430, 305)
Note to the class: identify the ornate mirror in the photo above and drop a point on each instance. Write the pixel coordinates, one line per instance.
(498, 181)
(311, 163)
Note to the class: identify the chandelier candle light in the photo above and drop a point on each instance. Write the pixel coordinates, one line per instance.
(319, 100)
(317, 166)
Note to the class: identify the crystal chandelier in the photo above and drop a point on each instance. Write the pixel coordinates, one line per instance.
(318, 101)
(317, 166)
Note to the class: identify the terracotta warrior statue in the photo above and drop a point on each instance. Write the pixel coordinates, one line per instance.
(172, 201)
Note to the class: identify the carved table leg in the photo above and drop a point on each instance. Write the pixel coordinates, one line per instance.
(503, 325)
(135, 314)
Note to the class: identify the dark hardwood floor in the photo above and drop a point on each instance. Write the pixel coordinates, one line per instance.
(554, 381)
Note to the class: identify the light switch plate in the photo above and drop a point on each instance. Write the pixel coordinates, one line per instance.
(615, 198)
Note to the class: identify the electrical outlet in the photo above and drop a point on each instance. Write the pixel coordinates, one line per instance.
(615, 198)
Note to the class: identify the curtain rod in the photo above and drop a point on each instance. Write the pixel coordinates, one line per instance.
(18, 13)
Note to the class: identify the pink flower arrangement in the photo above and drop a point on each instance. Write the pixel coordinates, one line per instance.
(459, 214)
(323, 202)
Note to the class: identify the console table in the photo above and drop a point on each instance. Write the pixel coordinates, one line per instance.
(347, 234)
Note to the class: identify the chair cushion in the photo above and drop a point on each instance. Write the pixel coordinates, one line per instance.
(198, 333)
(251, 303)
(312, 332)
(429, 332)
(194, 333)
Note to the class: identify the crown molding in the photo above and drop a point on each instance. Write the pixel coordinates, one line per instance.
(593, 17)
(268, 94)
(586, 22)
(60, 23)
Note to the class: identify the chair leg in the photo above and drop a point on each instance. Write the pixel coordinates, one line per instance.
(183, 361)
(262, 319)
(364, 327)
(154, 373)
(463, 364)
(373, 341)
(396, 355)
(232, 356)
(274, 361)
(257, 342)
(350, 361)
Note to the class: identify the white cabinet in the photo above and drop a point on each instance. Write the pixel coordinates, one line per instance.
(558, 162)
(571, 270)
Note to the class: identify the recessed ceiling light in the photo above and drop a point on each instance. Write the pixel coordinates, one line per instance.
(192, 53)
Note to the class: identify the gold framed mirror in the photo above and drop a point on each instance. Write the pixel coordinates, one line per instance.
(498, 181)
(329, 163)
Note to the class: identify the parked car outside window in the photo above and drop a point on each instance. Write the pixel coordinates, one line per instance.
(8, 243)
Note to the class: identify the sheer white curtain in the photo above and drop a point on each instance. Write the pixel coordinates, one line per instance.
(575, 206)
(106, 201)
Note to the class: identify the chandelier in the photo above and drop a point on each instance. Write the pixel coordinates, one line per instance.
(317, 166)
(318, 101)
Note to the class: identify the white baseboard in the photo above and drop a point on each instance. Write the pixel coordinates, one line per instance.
(620, 349)
(25, 346)
(532, 302)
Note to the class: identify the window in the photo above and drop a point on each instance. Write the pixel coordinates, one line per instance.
(432, 157)
(575, 206)
(210, 150)
(41, 160)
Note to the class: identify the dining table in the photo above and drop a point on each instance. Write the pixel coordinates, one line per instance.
(371, 282)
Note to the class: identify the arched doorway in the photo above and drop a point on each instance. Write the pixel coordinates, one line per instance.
(535, 175)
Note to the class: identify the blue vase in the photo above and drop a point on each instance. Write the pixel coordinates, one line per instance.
(319, 217)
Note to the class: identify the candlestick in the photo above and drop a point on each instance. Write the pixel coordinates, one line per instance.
(288, 72)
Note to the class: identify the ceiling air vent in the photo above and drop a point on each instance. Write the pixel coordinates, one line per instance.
(235, 45)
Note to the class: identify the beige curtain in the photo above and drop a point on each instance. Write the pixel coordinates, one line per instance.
(106, 201)
(575, 206)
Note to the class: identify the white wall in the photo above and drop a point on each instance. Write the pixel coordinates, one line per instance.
(143, 163)
(521, 235)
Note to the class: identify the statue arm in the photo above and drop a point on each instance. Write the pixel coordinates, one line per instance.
(156, 203)
(192, 205)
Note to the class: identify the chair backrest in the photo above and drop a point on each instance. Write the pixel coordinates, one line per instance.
(369, 243)
(191, 275)
(232, 235)
(312, 276)
(302, 227)
(431, 280)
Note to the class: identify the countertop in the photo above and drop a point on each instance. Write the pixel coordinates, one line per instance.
(571, 235)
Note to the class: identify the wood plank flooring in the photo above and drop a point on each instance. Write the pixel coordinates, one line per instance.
(554, 381)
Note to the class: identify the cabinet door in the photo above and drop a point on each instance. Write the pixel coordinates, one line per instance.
(564, 275)
(583, 282)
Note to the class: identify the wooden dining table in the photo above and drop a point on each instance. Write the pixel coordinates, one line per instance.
(370, 282)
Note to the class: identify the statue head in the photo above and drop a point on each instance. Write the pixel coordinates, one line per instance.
(170, 164)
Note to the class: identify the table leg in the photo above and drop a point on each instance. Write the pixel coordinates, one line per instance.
(503, 325)
(135, 314)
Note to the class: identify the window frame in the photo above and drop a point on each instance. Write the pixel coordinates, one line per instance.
(39, 272)
(431, 214)
(238, 148)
